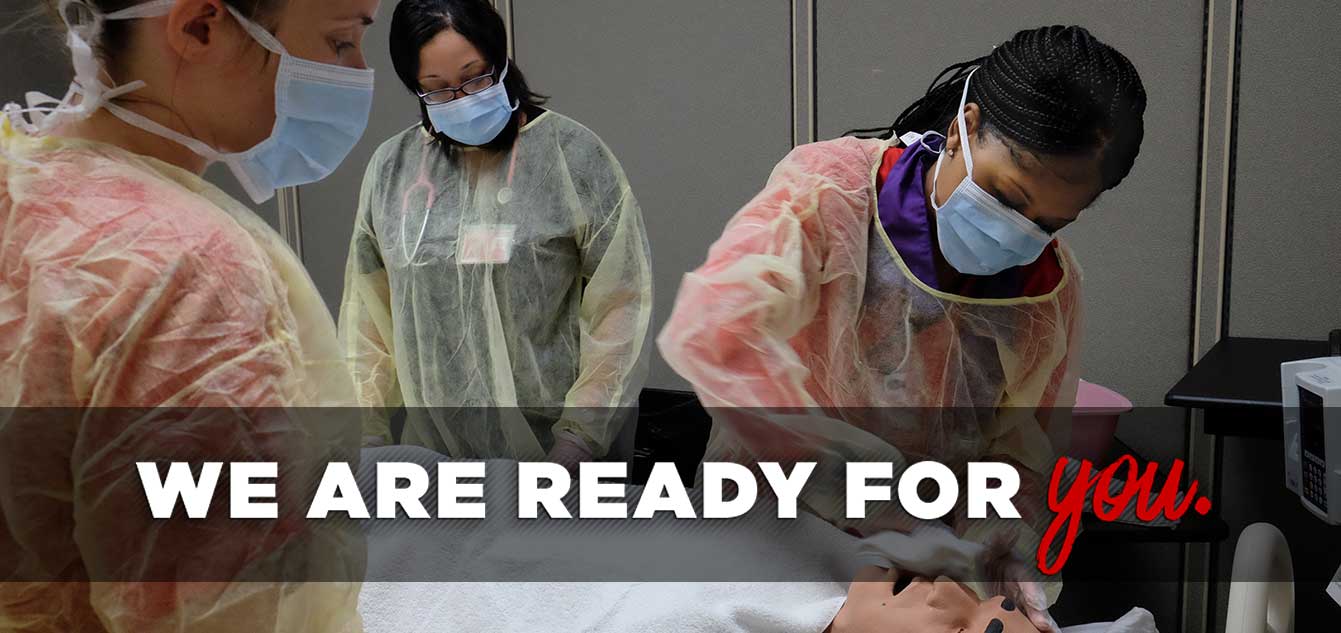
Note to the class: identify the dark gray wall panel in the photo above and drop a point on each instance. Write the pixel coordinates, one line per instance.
(694, 97)
(1286, 270)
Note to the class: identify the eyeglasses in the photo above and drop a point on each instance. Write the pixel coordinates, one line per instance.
(472, 87)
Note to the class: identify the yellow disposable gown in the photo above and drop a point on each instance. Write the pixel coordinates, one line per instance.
(804, 304)
(166, 322)
(502, 297)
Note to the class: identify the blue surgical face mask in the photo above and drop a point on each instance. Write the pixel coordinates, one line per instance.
(475, 119)
(321, 110)
(978, 234)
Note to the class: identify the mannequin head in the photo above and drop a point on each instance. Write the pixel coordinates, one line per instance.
(945, 606)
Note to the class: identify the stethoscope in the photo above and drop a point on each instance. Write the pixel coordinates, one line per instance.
(431, 197)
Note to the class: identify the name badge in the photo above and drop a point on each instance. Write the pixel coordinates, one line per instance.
(486, 244)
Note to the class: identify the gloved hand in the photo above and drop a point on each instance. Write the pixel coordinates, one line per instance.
(569, 451)
(1006, 575)
(932, 550)
(872, 606)
(929, 551)
(374, 441)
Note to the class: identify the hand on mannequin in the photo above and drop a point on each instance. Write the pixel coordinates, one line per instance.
(374, 441)
(932, 551)
(1008, 576)
(923, 606)
(569, 452)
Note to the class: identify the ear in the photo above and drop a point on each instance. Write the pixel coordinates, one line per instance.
(201, 30)
(972, 118)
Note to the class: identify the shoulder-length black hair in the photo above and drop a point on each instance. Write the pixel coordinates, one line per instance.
(416, 22)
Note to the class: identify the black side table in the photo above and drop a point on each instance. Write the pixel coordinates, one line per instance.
(1237, 384)
(1237, 387)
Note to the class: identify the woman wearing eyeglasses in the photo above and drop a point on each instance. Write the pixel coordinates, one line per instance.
(499, 282)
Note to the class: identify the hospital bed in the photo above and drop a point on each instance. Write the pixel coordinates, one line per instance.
(403, 602)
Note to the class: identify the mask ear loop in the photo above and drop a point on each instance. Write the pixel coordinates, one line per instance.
(263, 37)
(935, 180)
(938, 147)
(507, 65)
(963, 125)
(963, 139)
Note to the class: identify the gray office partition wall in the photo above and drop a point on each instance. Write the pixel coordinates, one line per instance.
(1283, 263)
(694, 97)
(1284, 255)
(35, 57)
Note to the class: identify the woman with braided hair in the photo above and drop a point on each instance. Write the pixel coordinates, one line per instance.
(918, 271)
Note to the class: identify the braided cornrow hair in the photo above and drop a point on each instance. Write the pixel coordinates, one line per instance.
(1055, 90)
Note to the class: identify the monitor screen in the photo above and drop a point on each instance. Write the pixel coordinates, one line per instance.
(1311, 437)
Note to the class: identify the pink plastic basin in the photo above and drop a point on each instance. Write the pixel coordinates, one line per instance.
(1095, 419)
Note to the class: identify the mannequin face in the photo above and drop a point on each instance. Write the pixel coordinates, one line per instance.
(945, 606)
